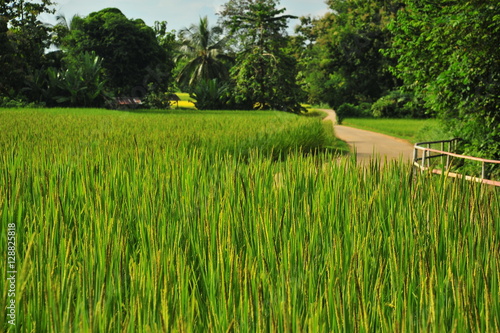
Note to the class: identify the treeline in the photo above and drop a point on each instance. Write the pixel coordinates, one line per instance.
(364, 58)
(242, 63)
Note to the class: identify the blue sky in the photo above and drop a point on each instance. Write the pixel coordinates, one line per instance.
(178, 14)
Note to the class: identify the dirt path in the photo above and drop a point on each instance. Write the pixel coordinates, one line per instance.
(368, 144)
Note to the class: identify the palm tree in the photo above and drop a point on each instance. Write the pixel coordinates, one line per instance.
(64, 27)
(204, 47)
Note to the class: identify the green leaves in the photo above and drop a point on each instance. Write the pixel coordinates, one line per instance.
(131, 53)
(23, 41)
(351, 41)
(448, 55)
(81, 84)
(211, 95)
(204, 48)
(265, 76)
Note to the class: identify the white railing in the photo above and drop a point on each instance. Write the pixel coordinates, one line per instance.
(423, 154)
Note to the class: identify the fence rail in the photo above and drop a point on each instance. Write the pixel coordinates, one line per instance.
(422, 161)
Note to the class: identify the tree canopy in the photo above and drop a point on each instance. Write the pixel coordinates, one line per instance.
(264, 74)
(131, 54)
(447, 54)
(203, 46)
(23, 40)
(350, 39)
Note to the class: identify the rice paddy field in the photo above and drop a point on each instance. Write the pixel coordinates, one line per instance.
(233, 222)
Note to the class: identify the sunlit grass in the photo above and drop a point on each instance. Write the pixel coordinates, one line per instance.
(183, 105)
(184, 96)
(186, 102)
(169, 222)
(413, 130)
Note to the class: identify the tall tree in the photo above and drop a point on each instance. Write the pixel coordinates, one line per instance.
(7, 60)
(265, 75)
(131, 54)
(64, 27)
(204, 48)
(21, 12)
(227, 13)
(351, 38)
(448, 55)
(27, 36)
(302, 46)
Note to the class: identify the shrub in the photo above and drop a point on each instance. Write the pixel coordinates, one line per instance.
(397, 104)
(6, 102)
(80, 84)
(157, 100)
(354, 111)
(211, 95)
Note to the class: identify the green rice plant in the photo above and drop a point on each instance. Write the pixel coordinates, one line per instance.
(147, 223)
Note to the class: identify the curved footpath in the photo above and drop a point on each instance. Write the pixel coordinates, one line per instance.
(368, 144)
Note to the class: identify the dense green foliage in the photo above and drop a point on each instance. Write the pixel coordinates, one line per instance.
(63, 28)
(132, 56)
(211, 95)
(410, 59)
(6, 59)
(133, 59)
(80, 81)
(133, 222)
(23, 40)
(448, 55)
(204, 48)
(229, 12)
(265, 76)
(348, 65)
(360, 69)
